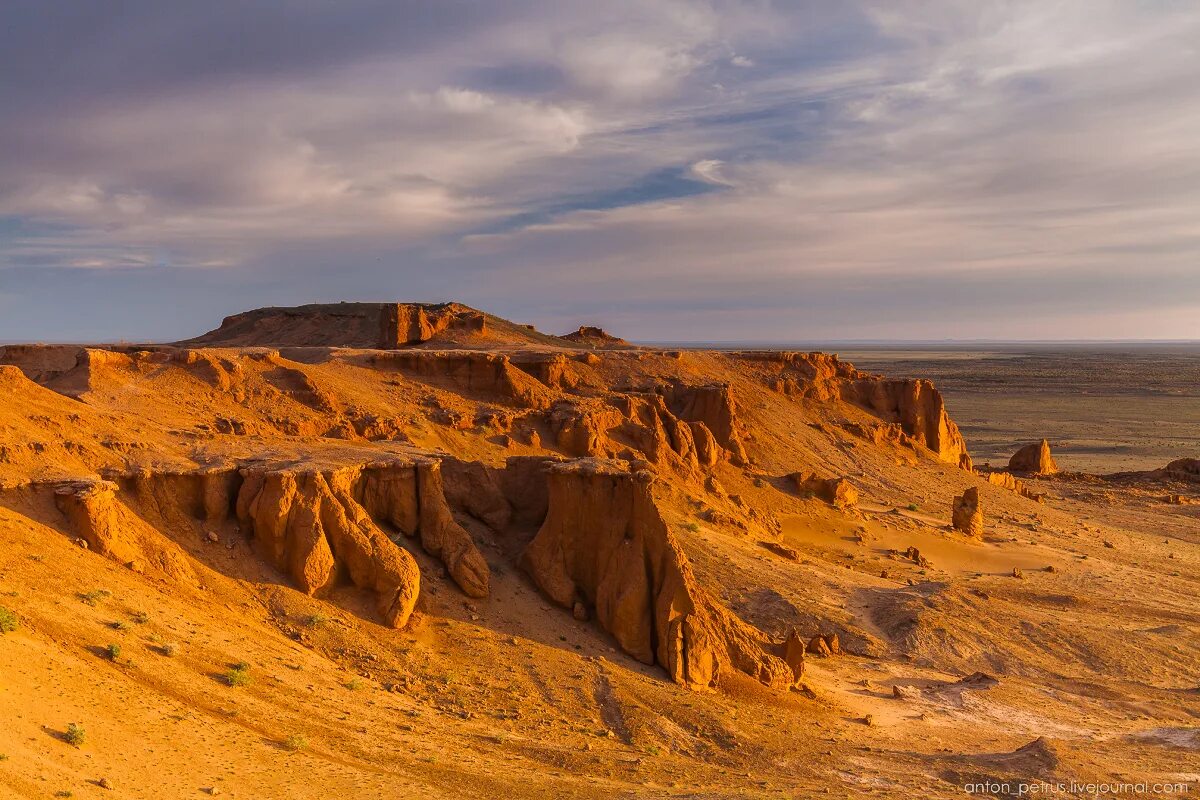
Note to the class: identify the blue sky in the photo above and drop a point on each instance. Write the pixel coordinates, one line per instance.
(670, 170)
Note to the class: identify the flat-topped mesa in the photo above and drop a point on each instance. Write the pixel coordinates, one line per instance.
(385, 326)
(596, 337)
(604, 549)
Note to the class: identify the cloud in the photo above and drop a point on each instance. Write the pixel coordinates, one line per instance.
(912, 169)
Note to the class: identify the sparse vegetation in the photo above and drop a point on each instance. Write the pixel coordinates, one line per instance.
(170, 649)
(238, 674)
(913, 507)
(140, 617)
(691, 526)
(94, 597)
(8, 620)
(113, 651)
(120, 625)
(296, 743)
(354, 684)
(315, 620)
(75, 735)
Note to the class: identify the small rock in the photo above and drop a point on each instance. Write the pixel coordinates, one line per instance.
(1109, 544)
(81, 542)
(105, 783)
(213, 537)
(1016, 573)
(869, 720)
(580, 611)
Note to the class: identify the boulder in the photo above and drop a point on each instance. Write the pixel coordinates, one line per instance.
(1034, 459)
(838, 492)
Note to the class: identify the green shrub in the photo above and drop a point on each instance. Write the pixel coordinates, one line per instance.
(76, 735)
(315, 620)
(92, 598)
(296, 743)
(113, 651)
(8, 620)
(238, 674)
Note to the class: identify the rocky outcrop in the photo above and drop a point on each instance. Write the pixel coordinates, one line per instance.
(1186, 469)
(1006, 480)
(413, 323)
(825, 644)
(838, 492)
(488, 375)
(639, 425)
(915, 405)
(713, 406)
(919, 409)
(1034, 459)
(967, 514)
(96, 515)
(604, 545)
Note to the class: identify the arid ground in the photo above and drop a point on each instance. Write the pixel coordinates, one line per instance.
(385, 550)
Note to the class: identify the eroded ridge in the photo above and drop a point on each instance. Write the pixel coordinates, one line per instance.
(604, 545)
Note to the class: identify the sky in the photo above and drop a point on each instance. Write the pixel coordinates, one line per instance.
(682, 171)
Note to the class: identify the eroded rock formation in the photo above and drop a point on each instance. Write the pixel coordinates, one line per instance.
(96, 515)
(966, 513)
(914, 404)
(1034, 459)
(310, 525)
(603, 544)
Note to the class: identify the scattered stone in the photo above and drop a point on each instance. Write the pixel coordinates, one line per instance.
(1016, 573)
(869, 720)
(580, 612)
(105, 783)
(213, 537)
(914, 555)
(1109, 544)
